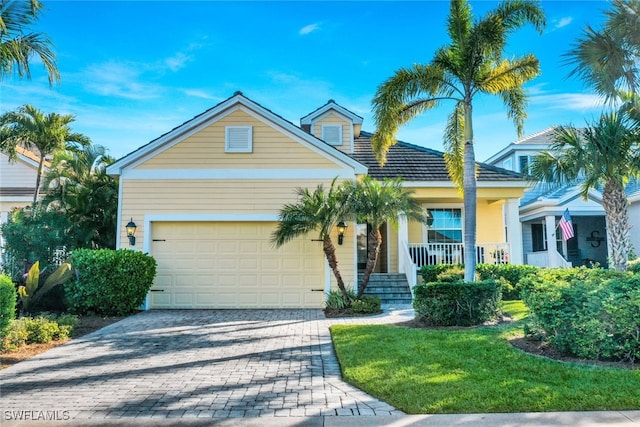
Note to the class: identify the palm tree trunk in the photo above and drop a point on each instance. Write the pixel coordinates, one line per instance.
(470, 198)
(330, 252)
(614, 201)
(373, 249)
(36, 192)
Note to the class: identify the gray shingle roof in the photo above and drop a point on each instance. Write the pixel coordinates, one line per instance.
(414, 163)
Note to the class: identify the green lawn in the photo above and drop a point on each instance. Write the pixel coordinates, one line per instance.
(473, 370)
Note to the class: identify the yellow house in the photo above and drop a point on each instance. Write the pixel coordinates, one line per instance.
(17, 182)
(205, 199)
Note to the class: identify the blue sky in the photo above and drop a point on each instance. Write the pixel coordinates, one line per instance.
(133, 70)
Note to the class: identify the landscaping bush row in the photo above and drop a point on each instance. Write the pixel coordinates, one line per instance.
(509, 275)
(37, 330)
(457, 303)
(588, 313)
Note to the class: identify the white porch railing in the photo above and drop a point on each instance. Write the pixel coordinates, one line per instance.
(551, 258)
(407, 266)
(453, 253)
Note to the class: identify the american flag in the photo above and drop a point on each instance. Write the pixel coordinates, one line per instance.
(566, 225)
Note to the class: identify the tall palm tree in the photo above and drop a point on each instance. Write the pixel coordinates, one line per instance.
(78, 185)
(607, 60)
(315, 211)
(32, 129)
(376, 203)
(17, 45)
(604, 154)
(472, 64)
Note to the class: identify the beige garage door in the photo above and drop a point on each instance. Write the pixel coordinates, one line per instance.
(233, 265)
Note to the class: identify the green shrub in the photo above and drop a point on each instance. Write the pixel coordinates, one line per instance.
(634, 266)
(38, 330)
(589, 313)
(510, 275)
(109, 282)
(367, 305)
(430, 273)
(457, 303)
(32, 234)
(7, 303)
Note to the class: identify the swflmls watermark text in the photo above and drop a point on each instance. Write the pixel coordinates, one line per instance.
(36, 415)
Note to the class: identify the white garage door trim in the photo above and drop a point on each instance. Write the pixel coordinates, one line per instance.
(151, 218)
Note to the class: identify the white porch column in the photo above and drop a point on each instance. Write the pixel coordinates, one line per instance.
(514, 231)
(550, 226)
(403, 238)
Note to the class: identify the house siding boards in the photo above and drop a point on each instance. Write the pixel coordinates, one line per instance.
(206, 150)
(332, 119)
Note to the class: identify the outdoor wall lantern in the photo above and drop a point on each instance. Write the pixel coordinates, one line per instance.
(341, 228)
(131, 232)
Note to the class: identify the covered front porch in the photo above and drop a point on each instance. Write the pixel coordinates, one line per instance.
(408, 246)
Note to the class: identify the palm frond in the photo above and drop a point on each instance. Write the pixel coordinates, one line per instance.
(454, 145)
(409, 92)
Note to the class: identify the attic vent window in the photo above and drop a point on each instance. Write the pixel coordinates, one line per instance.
(332, 134)
(238, 139)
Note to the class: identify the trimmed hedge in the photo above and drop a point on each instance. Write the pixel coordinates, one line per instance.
(109, 282)
(588, 313)
(510, 275)
(8, 298)
(457, 303)
(634, 266)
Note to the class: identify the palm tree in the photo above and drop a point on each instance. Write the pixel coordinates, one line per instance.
(470, 65)
(376, 203)
(17, 45)
(78, 185)
(315, 211)
(32, 129)
(607, 60)
(604, 154)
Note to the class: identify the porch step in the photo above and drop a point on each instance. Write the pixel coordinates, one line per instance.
(390, 288)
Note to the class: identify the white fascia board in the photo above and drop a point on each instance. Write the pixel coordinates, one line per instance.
(237, 174)
(556, 210)
(505, 151)
(635, 197)
(314, 116)
(178, 217)
(480, 184)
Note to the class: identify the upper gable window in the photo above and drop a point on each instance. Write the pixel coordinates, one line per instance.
(332, 134)
(238, 139)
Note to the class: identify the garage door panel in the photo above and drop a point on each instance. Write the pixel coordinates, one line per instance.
(233, 265)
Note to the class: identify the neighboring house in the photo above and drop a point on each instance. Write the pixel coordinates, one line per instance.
(205, 198)
(633, 194)
(17, 182)
(542, 207)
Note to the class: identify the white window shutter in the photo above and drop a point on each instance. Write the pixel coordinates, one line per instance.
(332, 134)
(238, 139)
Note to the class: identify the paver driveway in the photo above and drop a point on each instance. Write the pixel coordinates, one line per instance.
(192, 364)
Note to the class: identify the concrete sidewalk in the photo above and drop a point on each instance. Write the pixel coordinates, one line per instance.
(221, 367)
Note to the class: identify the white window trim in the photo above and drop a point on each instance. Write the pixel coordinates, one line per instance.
(247, 149)
(425, 228)
(332, 125)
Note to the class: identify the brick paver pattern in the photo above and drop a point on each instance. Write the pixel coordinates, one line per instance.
(192, 364)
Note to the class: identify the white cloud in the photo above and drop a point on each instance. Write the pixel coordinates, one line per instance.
(199, 93)
(177, 61)
(118, 80)
(568, 101)
(308, 29)
(562, 22)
